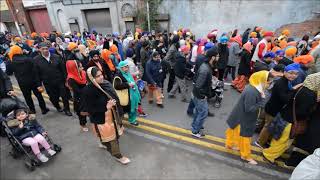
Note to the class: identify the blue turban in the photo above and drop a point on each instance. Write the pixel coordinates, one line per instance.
(269, 54)
(129, 53)
(280, 53)
(224, 39)
(208, 45)
(292, 67)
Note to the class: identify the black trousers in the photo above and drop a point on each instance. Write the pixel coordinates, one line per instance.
(232, 70)
(220, 74)
(172, 77)
(26, 91)
(55, 91)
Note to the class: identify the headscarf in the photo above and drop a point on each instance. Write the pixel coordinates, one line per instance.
(14, 50)
(134, 92)
(237, 39)
(74, 72)
(248, 46)
(105, 54)
(269, 55)
(304, 59)
(33, 35)
(259, 80)
(312, 82)
(72, 46)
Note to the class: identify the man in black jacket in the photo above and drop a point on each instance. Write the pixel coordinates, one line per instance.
(50, 70)
(24, 71)
(202, 91)
(180, 70)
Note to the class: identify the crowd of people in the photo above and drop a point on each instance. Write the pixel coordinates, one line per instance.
(106, 76)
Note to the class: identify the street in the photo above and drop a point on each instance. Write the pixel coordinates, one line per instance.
(160, 148)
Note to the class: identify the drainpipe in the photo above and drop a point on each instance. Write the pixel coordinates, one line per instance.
(148, 16)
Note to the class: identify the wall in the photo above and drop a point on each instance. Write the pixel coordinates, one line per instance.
(75, 11)
(204, 15)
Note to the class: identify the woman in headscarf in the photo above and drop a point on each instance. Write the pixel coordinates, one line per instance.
(306, 143)
(305, 100)
(124, 80)
(244, 68)
(282, 92)
(101, 103)
(76, 81)
(242, 120)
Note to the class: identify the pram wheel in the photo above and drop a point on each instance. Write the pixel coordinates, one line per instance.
(30, 165)
(14, 154)
(57, 148)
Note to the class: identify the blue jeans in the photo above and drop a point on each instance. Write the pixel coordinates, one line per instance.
(201, 113)
(191, 107)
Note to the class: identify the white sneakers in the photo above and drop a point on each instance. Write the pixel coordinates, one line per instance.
(42, 158)
(51, 152)
(124, 160)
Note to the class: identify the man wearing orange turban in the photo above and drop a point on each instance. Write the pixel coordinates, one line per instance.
(262, 46)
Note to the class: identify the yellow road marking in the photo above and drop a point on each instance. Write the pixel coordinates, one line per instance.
(198, 142)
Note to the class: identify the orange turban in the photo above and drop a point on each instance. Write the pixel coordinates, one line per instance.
(33, 35)
(14, 50)
(114, 49)
(283, 44)
(291, 51)
(305, 59)
(72, 46)
(16, 39)
(29, 42)
(286, 32)
(253, 34)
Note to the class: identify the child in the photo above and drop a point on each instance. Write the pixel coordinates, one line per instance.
(30, 132)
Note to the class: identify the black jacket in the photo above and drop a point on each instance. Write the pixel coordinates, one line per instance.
(180, 68)
(260, 66)
(5, 84)
(203, 82)
(244, 66)
(77, 91)
(280, 97)
(224, 55)
(154, 72)
(306, 101)
(24, 70)
(53, 72)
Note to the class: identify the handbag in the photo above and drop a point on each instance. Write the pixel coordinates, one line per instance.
(122, 94)
(299, 126)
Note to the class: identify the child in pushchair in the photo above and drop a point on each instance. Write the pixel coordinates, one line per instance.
(23, 132)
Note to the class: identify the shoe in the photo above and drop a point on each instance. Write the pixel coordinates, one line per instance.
(102, 146)
(250, 161)
(68, 113)
(184, 100)
(42, 158)
(210, 114)
(84, 129)
(123, 160)
(160, 105)
(198, 135)
(135, 123)
(190, 114)
(51, 152)
(257, 144)
(45, 111)
(142, 114)
(59, 109)
(150, 102)
(162, 96)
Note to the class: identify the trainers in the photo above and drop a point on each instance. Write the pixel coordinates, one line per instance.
(142, 114)
(102, 146)
(171, 96)
(160, 105)
(198, 135)
(51, 152)
(42, 158)
(210, 114)
(135, 123)
(84, 129)
(123, 160)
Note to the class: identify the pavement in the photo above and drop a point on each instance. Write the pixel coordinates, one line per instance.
(160, 148)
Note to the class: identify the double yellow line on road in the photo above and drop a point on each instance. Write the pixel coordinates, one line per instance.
(180, 134)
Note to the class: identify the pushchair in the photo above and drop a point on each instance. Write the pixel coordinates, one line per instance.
(18, 149)
(217, 91)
